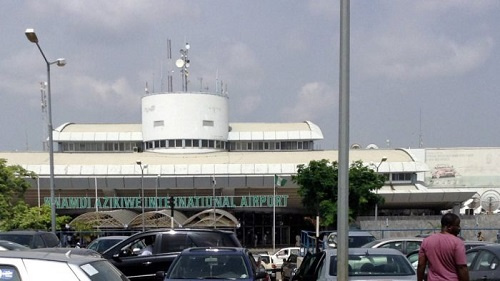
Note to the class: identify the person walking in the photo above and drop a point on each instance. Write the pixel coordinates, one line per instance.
(443, 253)
(480, 236)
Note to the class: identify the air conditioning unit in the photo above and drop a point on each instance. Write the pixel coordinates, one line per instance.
(136, 149)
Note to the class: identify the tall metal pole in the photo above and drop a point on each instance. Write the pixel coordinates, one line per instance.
(142, 194)
(343, 171)
(31, 35)
(214, 183)
(274, 214)
(376, 204)
(142, 199)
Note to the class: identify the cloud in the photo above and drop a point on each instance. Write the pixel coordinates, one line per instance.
(421, 57)
(117, 94)
(314, 100)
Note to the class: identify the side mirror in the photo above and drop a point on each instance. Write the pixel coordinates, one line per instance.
(160, 275)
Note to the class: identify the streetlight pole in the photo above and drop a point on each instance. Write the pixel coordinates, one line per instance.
(376, 204)
(142, 193)
(31, 35)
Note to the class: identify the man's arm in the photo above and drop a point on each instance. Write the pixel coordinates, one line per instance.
(422, 263)
(463, 272)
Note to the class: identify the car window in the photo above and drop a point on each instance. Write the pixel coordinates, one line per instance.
(412, 246)
(212, 239)
(486, 261)
(50, 239)
(370, 265)
(470, 258)
(38, 242)
(102, 271)
(398, 245)
(209, 266)
(175, 243)
(8, 272)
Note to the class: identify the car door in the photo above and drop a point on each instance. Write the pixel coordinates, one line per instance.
(483, 265)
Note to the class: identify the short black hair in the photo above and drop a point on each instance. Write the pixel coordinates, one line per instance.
(449, 219)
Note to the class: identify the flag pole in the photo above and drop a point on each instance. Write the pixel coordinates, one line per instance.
(213, 199)
(274, 213)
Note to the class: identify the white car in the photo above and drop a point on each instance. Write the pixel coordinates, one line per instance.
(40, 266)
(283, 254)
(363, 264)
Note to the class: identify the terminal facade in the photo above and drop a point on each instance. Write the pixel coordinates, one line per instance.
(186, 149)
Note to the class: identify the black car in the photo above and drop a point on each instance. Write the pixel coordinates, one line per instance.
(129, 257)
(484, 262)
(228, 263)
(32, 238)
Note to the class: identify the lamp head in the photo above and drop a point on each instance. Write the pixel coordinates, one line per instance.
(61, 62)
(384, 159)
(31, 35)
(138, 162)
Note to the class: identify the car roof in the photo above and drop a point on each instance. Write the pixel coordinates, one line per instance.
(363, 251)
(111, 237)
(70, 251)
(355, 233)
(224, 250)
(23, 232)
(59, 257)
(412, 238)
(492, 247)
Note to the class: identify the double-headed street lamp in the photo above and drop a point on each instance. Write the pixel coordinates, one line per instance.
(145, 166)
(31, 35)
(376, 204)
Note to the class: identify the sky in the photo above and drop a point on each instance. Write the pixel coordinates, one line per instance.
(422, 73)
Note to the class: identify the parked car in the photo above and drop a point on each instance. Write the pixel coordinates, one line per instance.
(483, 262)
(289, 268)
(228, 263)
(167, 244)
(357, 238)
(32, 238)
(101, 244)
(363, 264)
(36, 265)
(283, 254)
(6, 245)
(403, 244)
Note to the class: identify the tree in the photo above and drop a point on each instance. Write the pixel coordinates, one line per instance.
(318, 187)
(14, 212)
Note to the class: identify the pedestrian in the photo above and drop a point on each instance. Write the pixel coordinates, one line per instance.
(480, 236)
(443, 253)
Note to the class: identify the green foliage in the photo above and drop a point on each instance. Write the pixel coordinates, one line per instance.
(318, 187)
(14, 212)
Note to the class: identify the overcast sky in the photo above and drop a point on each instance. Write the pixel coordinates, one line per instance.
(418, 68)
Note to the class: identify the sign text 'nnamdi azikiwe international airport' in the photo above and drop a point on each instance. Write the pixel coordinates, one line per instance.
(180, 202)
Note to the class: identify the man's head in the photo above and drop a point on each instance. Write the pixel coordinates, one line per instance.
(450, 223)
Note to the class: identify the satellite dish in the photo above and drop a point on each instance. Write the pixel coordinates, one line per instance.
(179, 63)
(355, 146)
(372, 146)
(490, 201)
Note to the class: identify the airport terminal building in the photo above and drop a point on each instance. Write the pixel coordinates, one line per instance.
(222, 174)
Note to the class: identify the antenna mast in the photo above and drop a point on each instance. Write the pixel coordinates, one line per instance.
(183, 64)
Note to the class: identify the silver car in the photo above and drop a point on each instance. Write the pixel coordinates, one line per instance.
(363, 264)
(37, 265)
(405, 245)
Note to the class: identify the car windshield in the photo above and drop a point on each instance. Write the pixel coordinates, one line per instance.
(358, 241)
(209, 266)
(102, 270)
(22, 239)
(375, 265)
